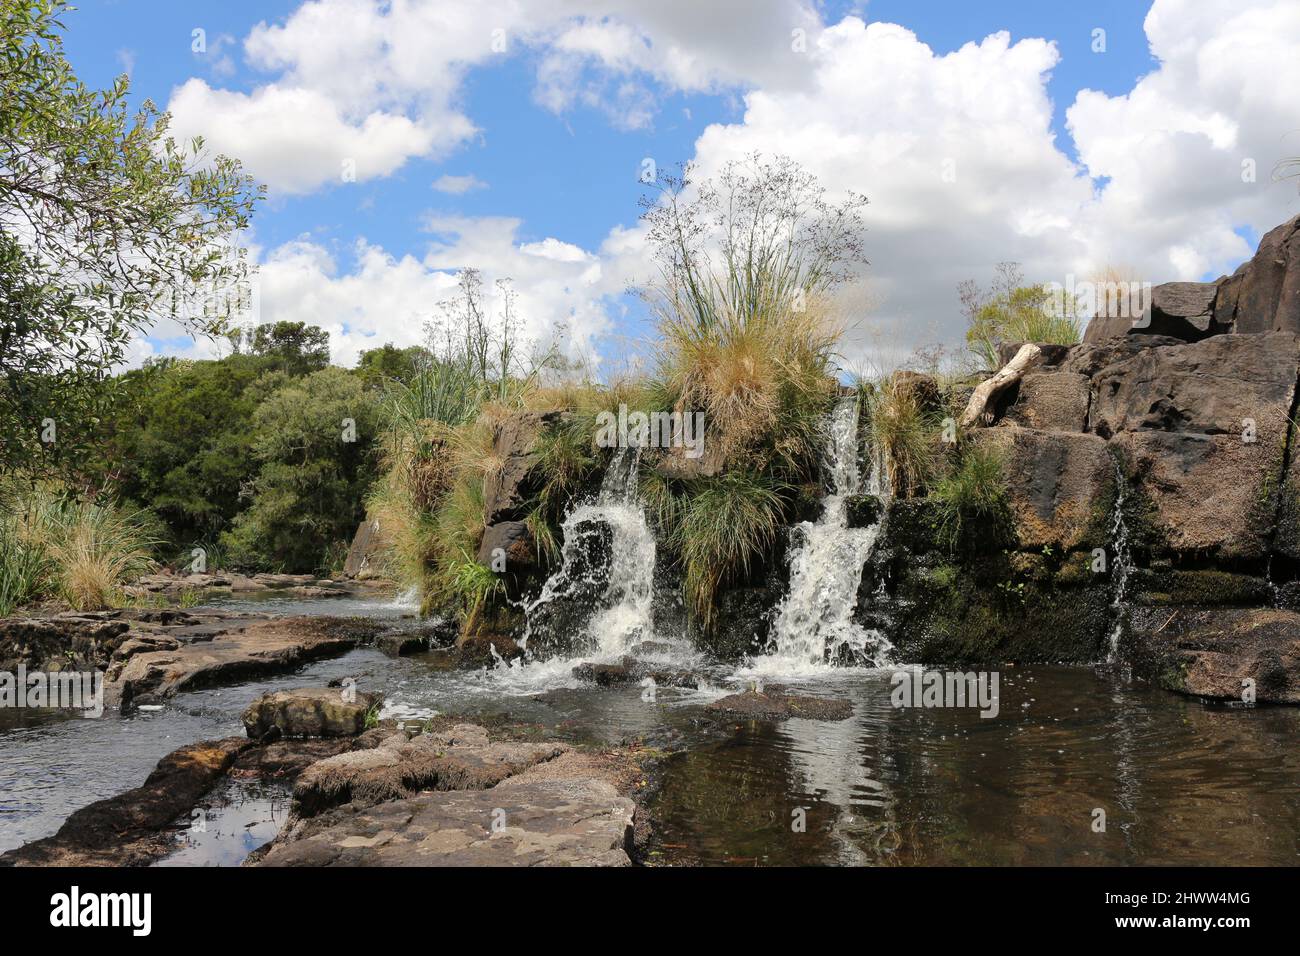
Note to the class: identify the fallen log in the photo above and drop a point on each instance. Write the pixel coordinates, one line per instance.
(977, 409)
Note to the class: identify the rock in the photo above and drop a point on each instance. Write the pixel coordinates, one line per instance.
(1054, 399)
(921, 388)
(264, 647)
(541, 823)
(485, 650)
(1210, 653)
(742, 621)
(1090, 358)
(511, 542)
(1057, 481)
(133, 828)
(673, 463)
(1050, 354)
(1263, 295)
(863, 511)
(506, 490)
(367, 545)
(1213, 387)
(774, 704)
(309, 712)
(1206, 495)
(629, 670)
(401, 643)
(461, 758)
(47, 644)
(286, 759)
(1184, 310)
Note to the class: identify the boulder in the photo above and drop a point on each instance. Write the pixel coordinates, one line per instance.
(309, 712)
(1053, 399)
(1212, 653)
(540, 823)
(367, 544)
(506, 489)
(773, 703)
(1184, 310)
(49, 643)
(1263, 295)
(1215, 387)
(513, 540)
(1057, 482)
(461, 758)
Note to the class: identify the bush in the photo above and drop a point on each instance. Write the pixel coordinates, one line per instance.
(972, 499)
(1012, 312)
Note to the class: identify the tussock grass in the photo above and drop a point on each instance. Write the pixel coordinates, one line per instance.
(972, 496)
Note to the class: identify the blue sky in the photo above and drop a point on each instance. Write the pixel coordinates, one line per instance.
(566, 167)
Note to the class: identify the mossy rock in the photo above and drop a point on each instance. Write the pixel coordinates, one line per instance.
(1207, 587)
(863, 510)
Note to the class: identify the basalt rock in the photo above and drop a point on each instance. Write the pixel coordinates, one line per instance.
(1263, 295)
(773, 703)
(308, 712)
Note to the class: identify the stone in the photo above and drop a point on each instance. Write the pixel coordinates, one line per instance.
(133, 828)
(309, 712)
(1091, 357)
(1207, 495)
(39, 643)
(402, 643)
(485, 650)
(1213, 387)
(1053, 399)
(367, 545)
(542, 823)
(507, 488)
(1184, 310)
(461, 758)
(772, 703)
(1210, 653)
(507, 545)
(1056, 482)
(629, 670)
(1263, 295)
(863, 511)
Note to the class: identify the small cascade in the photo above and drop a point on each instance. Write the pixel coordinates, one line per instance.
(814, 623)
(1123, 564)
(614, 596)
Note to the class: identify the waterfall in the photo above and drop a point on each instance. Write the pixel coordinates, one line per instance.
(614, 598)
(814, 622)
(1123, 563)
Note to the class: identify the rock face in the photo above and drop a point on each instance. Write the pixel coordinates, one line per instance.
(363, 555)
(1229, 654)
(308, 712)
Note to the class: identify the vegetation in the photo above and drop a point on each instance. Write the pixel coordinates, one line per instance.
(972, 497)
(1009, 312)
(119, 225)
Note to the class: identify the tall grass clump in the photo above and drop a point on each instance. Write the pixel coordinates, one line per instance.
(82, 552)
(904, 432)
(972, 497)
(747, 336)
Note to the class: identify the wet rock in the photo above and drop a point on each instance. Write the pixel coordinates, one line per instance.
(629, 670)
(40, 643)
(507, 544)
(1212, 653)
(772, 703)
(132, 828)
(485, 650)
(541, 823)
(309, 712)
(863, 511)
(402, 643)
(461, 758)
(263, 647)
(286, 759)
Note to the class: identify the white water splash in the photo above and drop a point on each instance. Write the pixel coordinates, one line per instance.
(1123, 564)
(622, 614)
(814, 625)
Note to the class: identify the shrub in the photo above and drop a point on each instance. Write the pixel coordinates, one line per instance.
(972, 498)
(1012, 312)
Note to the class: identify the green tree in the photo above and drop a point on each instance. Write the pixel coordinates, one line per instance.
(292, 347)
(106, 224)
(315, 451)
(388, 363)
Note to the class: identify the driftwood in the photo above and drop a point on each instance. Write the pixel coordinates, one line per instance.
(978, 407)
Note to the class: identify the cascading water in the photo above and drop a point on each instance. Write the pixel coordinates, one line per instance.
(622, 589)
(1123, 564)
(815, 623)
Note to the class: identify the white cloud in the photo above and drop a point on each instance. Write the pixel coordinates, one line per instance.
(294, 138)
(458, 185)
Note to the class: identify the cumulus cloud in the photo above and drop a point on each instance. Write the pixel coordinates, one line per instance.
(458, 185)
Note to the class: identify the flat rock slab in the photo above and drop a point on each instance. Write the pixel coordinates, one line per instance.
(629, 670)
(130, 829)
(309, 712)
(775, 705)
(1210, 653)
(461, 758)
(261, 648)
(539, 823)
